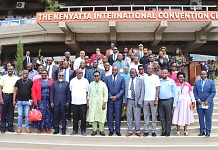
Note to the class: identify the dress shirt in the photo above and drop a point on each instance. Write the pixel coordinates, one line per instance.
(67, 74)
(129, 95)
(79, 88)
(202, 84)
(77, 63)
(32, 74)
(8, 83)
(168, 90)
(50, 70)
(135, 66)
(28, 59)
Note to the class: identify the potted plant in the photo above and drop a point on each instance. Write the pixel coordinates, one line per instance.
(52, 6)
(19, 57)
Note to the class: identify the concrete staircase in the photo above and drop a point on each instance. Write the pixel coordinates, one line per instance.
(24, 141)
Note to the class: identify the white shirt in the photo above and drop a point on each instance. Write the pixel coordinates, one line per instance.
(133, 65)
(28, 59)
(67, 74)
(78, 89)
(77, 63)
(50, 70)
(129, 91)
(151, 82)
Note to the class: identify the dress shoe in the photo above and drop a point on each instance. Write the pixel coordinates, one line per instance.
(47, 131)
(89, 126)
(201, 134)
(128, 134)
(55, 132)
(102, 133)
(146, 134)
(167, 134)
(63, 132)
(118, 134)
(11, 130)
(94, 133)
(19, 130)
(207, 134)
(111, 133)
(163, 134)
(138, 134)
(28, 130)
(3, 131)
(154, 134)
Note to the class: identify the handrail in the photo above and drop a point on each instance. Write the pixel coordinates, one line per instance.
(17, 22)
(131, 7)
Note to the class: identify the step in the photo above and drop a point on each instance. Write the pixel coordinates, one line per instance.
(192, 130)
(68, 142)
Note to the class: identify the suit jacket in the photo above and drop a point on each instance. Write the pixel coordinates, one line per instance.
(138, 54)
(60, 96)
(74, 73)
(25, 62)
(71, 73)
(208, 93)
(111, 60)
(116, 88)
(165, 64)
(54, 72)
(90, 77)
(139, 91)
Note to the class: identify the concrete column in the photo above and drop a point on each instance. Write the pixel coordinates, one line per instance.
(10, 12)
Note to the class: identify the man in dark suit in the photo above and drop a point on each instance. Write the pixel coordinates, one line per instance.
(116, 87)
(52, 69)
(89, 73)
(204, 91)
(68, 74)
(113, 57)
(27, 60)
(60, 100)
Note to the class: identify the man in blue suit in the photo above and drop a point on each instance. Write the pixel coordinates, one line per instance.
(89, 73)
(68, 74)
(60, 100)
(204, 91)
(116, 87)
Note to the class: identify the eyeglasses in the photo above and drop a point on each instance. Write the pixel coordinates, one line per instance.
(86, 58)
(96, 76)
(60, 75)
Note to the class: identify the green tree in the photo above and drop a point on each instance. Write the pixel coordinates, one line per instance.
(19, 57)
(52, 5)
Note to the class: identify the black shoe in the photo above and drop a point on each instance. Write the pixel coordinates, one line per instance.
(94, 133)
(3, 131)
(102, 133)
(63, 132)
(118, 134)
(89, 126)
(111, 133)
(167, 134)
(146, 134)
(207, 134)
(55, 132)
(163, 134)
(11, 130)
(154, 134)
(201, 134)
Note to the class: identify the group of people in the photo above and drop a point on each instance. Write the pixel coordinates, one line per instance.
(107, 88)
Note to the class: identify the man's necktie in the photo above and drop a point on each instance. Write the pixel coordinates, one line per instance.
(48, 70)
(202, 85)
(114, 57)
(114, 80)
(28, 61)
(65, 74)
(132, 89)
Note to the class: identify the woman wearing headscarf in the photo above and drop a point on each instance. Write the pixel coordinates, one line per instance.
(125, 73)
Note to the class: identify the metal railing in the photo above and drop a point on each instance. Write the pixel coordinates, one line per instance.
(140, 7)
(17, 22)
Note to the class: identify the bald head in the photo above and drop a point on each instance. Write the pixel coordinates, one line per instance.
(29, 67)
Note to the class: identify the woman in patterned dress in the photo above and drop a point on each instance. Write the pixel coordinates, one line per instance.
(41, 96)
(97, 104)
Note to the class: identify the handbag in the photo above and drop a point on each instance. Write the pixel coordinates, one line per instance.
(35, 115)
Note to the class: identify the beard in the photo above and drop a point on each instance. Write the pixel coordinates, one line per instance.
(60, 80)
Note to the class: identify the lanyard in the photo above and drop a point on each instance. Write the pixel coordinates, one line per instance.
(96, 87)
(181, 87)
